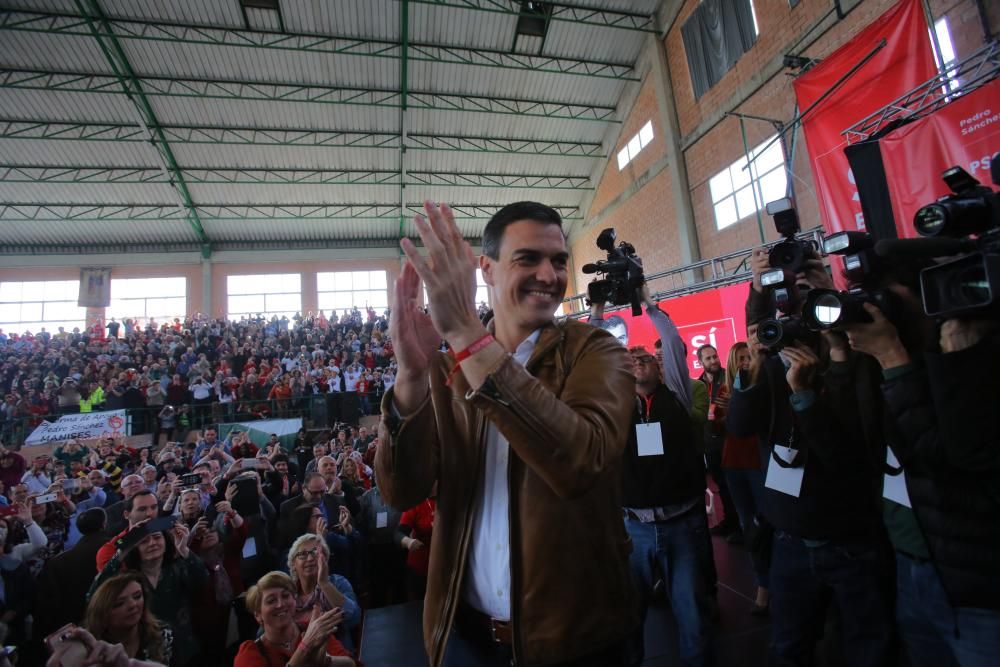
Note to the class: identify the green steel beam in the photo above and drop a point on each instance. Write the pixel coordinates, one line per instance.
(174, 33)
(127, 212)
(404, 88)
(138, 175)
(504, 145)
(262, 136)
(133, 88)
(607, 18)
(157, 86)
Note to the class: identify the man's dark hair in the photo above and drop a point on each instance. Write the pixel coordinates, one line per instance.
(130, 502)
(92, 520)
(279, 458)
(522, 210)
(310, 476)
(705, 347)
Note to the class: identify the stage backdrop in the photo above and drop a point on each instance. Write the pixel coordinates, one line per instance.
(965, 132)
(904, 63)
(716, 317)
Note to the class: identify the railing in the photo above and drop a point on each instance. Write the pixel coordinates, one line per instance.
(697, 277)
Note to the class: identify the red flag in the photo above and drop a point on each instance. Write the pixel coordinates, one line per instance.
(905, 62)
(964, 133)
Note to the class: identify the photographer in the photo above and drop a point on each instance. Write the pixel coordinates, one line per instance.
(942, 522)
(819, 494)
(663, 488)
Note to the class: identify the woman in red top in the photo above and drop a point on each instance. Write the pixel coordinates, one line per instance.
(741, 466)
(272, 602)
(414, 535)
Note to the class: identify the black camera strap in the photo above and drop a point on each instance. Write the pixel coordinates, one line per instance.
(799, 460)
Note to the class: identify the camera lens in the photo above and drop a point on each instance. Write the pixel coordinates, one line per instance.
(826, 309)
(769, 332)
(786, 255)
(930, 220)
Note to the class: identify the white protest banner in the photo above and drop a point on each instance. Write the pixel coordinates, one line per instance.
(111, 424)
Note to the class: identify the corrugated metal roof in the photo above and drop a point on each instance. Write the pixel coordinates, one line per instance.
(256, 89)
(36, 233)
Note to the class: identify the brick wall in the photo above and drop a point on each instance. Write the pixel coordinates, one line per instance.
(614, 182)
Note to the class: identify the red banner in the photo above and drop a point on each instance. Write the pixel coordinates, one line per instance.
(714, 317)
(965, 132)
(902, 64)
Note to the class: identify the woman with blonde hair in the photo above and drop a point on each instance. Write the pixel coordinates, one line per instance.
(315, 587)
(741, 466)
(118, 614)
(272, 603)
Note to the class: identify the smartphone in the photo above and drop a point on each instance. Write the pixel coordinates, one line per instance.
(191, 479)
(58, 637)
(250, 464)
(7, 510)
(46, 498)
(70, 485)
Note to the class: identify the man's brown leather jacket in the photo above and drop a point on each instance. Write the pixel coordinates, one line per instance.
(566, 415)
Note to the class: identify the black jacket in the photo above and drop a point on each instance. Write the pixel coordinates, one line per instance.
(677, 475)
(63, 585)
(839, 498)
(285, 536)
(949, 445)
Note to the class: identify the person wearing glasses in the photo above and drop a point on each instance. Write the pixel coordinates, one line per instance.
(317, 587)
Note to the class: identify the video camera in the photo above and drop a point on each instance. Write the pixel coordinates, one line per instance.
(965, 223)
(623, 269)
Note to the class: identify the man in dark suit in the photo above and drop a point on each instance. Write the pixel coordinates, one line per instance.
(66, 578)
(314, 490)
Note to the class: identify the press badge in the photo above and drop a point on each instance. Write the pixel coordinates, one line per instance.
(785, 480)
(250, 548)
(382, 520)
(894, 486)
(649, 439)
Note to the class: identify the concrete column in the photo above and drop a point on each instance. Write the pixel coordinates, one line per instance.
(687, 231)
(206, 287)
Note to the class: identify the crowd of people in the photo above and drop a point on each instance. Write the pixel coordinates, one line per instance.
(182, 375)
(156, 543)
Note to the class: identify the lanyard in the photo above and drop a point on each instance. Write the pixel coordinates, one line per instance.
(649, 405)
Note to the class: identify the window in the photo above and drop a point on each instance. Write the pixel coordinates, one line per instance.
(734, 188)
(482, 290)
(160, 299)
(29, 306)
(268, 294)
(943, 33)
(715, 36)
(342, 290)
(635, 144)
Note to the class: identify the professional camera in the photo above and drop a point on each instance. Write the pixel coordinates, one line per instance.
(775, 333)
(969, 283)
(965, 223)
(623, 269)
(789, 256)
(829, 309)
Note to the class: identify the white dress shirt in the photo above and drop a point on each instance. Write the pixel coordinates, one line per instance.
(487, 577)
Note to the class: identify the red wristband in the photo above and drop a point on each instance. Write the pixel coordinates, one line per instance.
(461, 356)
(475, 347)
